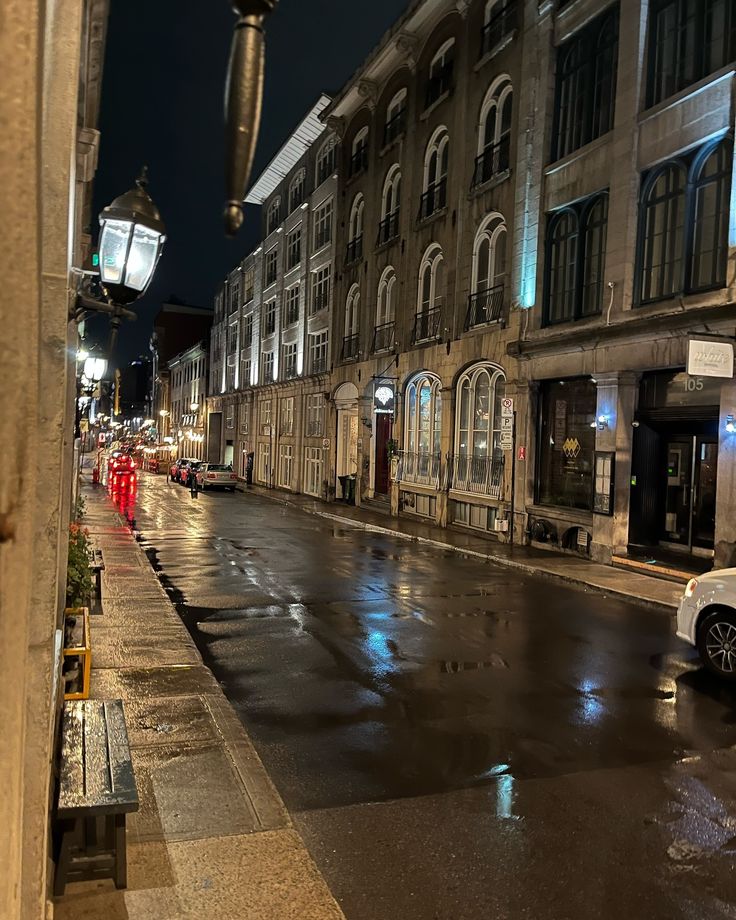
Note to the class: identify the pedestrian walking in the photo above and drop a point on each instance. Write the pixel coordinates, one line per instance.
(193, 483)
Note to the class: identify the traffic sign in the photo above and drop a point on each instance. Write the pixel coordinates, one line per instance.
(507, 407)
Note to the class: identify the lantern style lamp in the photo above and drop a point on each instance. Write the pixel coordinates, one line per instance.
(94, 369)
(131, 241)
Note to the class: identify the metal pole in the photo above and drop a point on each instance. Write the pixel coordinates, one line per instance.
(513, 477)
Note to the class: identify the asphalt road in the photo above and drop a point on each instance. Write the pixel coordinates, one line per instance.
(453, 740)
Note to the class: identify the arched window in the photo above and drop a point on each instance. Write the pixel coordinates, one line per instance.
(422, 429)
(499, 21)
(352, 308)
(383, 334)
(586, 84)
(355, 229)
(479, 458)
(488, 272)
(388, 228)
(663, 221)
(576, 252)
(359, 153)
(326, 159)
(395, 116)
(296, 190)
(440, 72)
(273, 217)
(494, 131)
(711, 191)
(429, 294)
(436, 159)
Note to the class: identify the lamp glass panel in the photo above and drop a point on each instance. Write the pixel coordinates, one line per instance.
(94, 369)
(142, 258)
(113, 249)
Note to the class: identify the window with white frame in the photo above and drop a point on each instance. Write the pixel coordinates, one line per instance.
(296, 190)
(318, 342)
(388, 228)
(499, 21)
(355, 230)
(234, 293)
(267, 370)
(264, 463)
(244, 418)
(249, 277)
(478, 455)
(265, 413)
(352, 318)
(429, 294)
(323, 224)
(313, 471)
(272, 265)
(314, 415)
(286, 459)
(269, 317)
(246, 331)
(294, 248)
(273, 217)
(326, 159)
(230, 416)
(291, 308)
(485, 304)
(440, 72)
(246, 370)
(383, 335)
(289, 361)
(287, 415)
(423, 430)
(395, 116)
(494, 132)
(321, 283)
(359, 153)
(436, 157)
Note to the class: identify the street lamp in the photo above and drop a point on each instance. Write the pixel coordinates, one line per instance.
(94, 369)
(194, 406)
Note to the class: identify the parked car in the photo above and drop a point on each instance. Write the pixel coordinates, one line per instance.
(175, 469)
(119, 462)
(216, 476)
(188, 470)
(706, 618)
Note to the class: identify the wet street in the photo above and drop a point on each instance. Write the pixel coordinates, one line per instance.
(453, 740)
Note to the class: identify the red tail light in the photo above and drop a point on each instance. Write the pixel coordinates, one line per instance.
(233, 476)
(210, 475)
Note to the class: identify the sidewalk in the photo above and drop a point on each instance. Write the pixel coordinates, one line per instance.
(212, 838)
(603, 579)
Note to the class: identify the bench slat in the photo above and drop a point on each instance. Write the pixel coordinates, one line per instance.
(96, 769)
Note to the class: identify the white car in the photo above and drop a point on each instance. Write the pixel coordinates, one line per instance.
(216, 476)
(706, 618)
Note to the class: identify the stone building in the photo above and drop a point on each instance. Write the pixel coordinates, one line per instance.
(188, 374)
(533, 219)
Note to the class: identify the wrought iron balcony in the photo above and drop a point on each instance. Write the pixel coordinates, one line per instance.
(290, 369)
(350, 347)
(388, 228)
(326, 168)
(395, 126)
(421, 467)
(485, 307)
(426, 325)
(494, 161)
(319, 364)
(383, 336)
(359, 161)
(434, 199)
(501, 24)
(354, 250)
(478, 475)
(439, 83)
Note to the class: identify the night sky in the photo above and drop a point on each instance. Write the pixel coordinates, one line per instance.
(162, 104)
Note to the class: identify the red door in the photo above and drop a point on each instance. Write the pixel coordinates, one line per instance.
(384, 423)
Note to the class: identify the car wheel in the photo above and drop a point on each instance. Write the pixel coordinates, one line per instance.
(717, 642)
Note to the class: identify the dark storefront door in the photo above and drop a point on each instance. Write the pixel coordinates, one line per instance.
(690, 503)
(384, 422)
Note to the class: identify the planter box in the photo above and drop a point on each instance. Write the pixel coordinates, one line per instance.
(77, 653)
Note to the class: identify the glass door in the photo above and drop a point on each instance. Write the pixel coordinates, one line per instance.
(678, 500)
(704, 492)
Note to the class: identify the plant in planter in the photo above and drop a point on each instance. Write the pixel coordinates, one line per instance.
(78, 575)
(78, 589)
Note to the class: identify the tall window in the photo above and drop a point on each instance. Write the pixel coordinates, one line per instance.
(246, 334)
(287, 415)
(440, 72)
(423, 414)
(318, 352)
(294, 248)
(248, 283)
(388, 228)
(683, 224)
(566, 443)
(272, 263)
(267, 369)
(494, 132)
(576, 249)
(586, 85)
(688, 39)
(478, 455)
(436, 159)
(269, 318)
(289, 361)
(485, 304)
(314, 416)
(355, 230)
(326, 159)
(499, 21)
(296, 190)
(246, 369)
(359, 153)
(383, 335)
(323, 224)
(274, 215)
(321, 283)
(352, 319)
(286, 457)
(395, 117)
(291, 310)
(429, 294)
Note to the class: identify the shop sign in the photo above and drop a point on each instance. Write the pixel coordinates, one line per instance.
(708, 358)
(384, 397)
(571, 448)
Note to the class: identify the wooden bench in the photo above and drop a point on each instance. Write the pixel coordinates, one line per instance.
(96, 790)
(97, 566)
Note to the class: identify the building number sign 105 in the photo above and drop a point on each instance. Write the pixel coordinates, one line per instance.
(693, 384)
